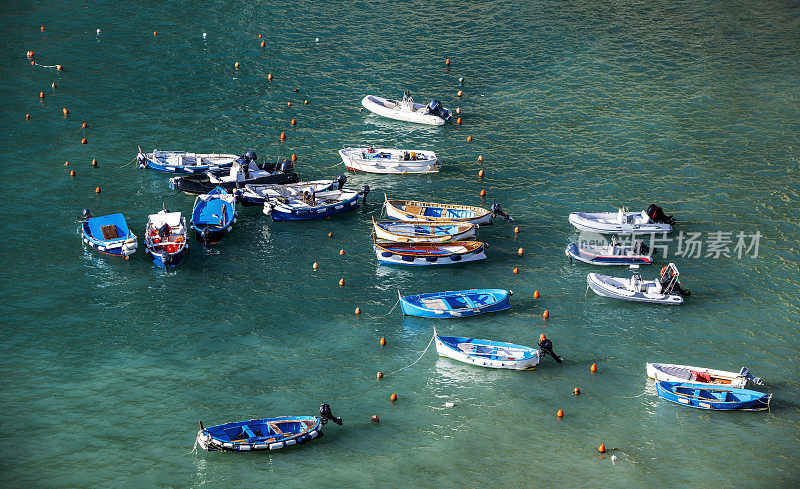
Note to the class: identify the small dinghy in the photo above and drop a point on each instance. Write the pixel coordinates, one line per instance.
(213, 215)
(703, 396)
(413, 210)
(653, 220)
(424, 231)
(244, 171)
(666, 290)
(252, 195)
(407, 110)
(108, 234)
(183, 162)
(613, 254)
(456, 304)
(396, 161)
(428, 254)
(299, 203)
(165, 238)
(697, 375)
(266, 433)
(492, 354)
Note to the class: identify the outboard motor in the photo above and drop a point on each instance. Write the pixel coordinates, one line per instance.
(547, 347)
(435, 108)
(639, 248)
(656, 213)
(498, 211)
(87, 214)
(286, 166)
(326, 415)
(364, 192)
(340, 181)
(250, 156)
(270, 167)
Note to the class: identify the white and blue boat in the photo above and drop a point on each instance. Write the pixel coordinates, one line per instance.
(165, 238)
(716, 398)
(428, 254)
(265, 433)
(613, 254)
(415, 210)
(423, 231)
(108, 234)
(259, 194)
(214, 214)
(184, 162)
(492, 354)
(298, 203)
(456, 304)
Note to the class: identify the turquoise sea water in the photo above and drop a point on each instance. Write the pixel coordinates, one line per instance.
(108, 365)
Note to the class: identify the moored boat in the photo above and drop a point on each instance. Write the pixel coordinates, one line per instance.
(703, 396)
(424, 231)
(623, 222)
(108, 234)
(253, 195)
(244, 171)
(414, 210)
(456, 303)
(492, 354)
(165, 238)
(428, 254)
(699, 375)
(394, 161)
(665, 290)
(614, 254)
(184, 162)
(214, 214)
(407, 110)
(266, 433)
(298, 203)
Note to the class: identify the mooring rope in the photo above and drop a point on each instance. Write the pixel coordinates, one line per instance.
(415, 361)
(392, 309)
(128, 163)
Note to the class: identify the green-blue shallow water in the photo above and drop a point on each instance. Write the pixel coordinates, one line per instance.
(108, 365)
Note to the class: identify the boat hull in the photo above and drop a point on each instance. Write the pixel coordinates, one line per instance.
(172, 162)
(701, 396)
(428, 211)
(376, 105)
(214, 214)
(356, 160)
(122, 246)
(201, 184)
(686, 373)
(593, 258)
(282, 212)
(260, 434)
(403, 254)
(456, 304)
(482, 353)
(614, 288)
(423, 231)
(602, 223)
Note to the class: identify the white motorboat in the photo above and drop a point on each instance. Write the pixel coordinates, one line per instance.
(382, 160)
(698, 375)
(407, 110)
(613, 254)
(653, 220)
(666, 290)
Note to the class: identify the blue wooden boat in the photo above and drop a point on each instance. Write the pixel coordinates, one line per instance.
(428, 254)
(456, 304)
(717, 398)
(492, 354)
(108, 234)
(259, 194)
(165, 238)
(184, 162)
(265, 433)
(213, 215)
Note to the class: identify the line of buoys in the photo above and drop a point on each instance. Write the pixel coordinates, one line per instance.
(269, 77)
(383, 340)
(294, 157)
(458, 121)
(576, 391)
(521, 251)
(546, 314)
(84, 125)
(294, 122)
(315, 265)
(341, 252)
(469, 139)
(593, 368)
(358, 310)
(380, 375)
(480, 173)
(393, 397)
(375, 418)
(535, 294)
(341, 282)
(560, 413)
(72, 173)
(515, 270)
(84, 141)
(516, 229)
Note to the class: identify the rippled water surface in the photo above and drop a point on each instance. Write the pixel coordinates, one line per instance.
(107, 365)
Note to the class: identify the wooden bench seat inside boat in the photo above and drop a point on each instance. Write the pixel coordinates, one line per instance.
(109, 232)
(436, 304)
(413, 209)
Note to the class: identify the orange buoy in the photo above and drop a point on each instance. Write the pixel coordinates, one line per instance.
(66, 163)
(535, 294)
(459, 94)
(480, 158)
(236, 65)
(358, 310)
(84, 141)
(65, 111)
(341, 282)
(305, 102)
(393, 397)
(383, 340)
(29, 54)
(330, 235)
(516, 229)
(458, 110)
(94, 162)
(155, 33)
(283, 136)
(42, 28)
(341, 252)
(33, 63)
(260, 36)
(480, 174)
(294, 122)
(84, 125)
(315, 265)
(515, 270)
(97, 190)
(27, 117)
(72, 173)
(296, 90)
(546, 314)
(59, 68)
(560, 413)
(294, 157)
(483, 192)
(458, 121)
(447, 62)
(53, 85)
(375, 418)
(269, 77)
(593, 368)
(576, 391)
(380, 375)
(41, 94)
(542, 337)
(601, 448)
(520, 251)
(288, 104)
(263, 44)
(469, 139)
